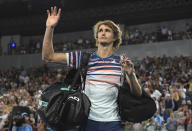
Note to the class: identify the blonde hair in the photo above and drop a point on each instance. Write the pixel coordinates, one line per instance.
(179, 114)
(116, 30)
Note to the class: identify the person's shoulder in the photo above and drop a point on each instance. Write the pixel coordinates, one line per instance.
(19, 128)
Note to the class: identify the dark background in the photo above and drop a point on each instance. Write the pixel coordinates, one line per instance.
(28, 17)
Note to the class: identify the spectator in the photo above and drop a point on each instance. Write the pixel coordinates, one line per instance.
(170, 34)
(38, 46)
(164, 33)
(171, 123)
(151, 126)
(188, 122)
(161, 109)
(180, 121)
(163, 126)
(80, 42)
(158, 121)
(169, 103)
(20, 124)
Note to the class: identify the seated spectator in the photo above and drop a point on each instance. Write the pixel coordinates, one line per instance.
(20, 123)
(180, 121)
(38, 46)
(171, 123)
(150, 126)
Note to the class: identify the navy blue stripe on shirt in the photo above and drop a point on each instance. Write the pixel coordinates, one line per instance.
(74, 60)
(106, 68)
(104, 74)
(79, 58)
(104, 64)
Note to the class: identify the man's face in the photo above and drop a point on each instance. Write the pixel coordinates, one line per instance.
(26, 117)
(105, 34)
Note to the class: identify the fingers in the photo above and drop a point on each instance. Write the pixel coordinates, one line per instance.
(127, 63)
(48, 13)
(51, 10)
(125, 59)
(123, 64)
(54, 11)
(59, 12)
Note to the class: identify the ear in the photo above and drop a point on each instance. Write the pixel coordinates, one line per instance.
(114, 39)
(96, 36)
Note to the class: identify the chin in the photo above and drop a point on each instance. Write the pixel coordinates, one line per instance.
(103, 41)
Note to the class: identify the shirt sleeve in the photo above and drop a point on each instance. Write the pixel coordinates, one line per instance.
(74, 59)
(28, 128)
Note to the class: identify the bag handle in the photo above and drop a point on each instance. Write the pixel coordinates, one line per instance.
(82, 70)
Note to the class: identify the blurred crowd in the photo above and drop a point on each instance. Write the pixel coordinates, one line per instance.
(161, 33)
(36, 46)
(168, 80)
(130, 36)
(22, 87)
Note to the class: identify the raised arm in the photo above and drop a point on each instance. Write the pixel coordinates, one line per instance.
(131, 78)
(48, 54)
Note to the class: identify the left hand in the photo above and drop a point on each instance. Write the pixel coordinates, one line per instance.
(127, 65)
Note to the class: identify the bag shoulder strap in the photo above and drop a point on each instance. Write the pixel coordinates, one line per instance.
(84, 67)
(82, 70)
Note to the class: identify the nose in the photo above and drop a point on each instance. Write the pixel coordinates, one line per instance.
(103, 33)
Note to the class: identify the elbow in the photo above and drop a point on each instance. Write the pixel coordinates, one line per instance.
(46, 58)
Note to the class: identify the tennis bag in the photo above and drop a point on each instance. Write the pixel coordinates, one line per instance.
(135, 108)
(64, 103)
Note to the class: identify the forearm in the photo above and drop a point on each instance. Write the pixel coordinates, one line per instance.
(133, 83)
(47, 50)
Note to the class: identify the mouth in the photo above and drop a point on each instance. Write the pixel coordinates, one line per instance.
(103, 38)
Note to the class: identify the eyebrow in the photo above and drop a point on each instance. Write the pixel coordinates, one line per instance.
(108, 28)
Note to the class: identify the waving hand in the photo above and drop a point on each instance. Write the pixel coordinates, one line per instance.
(53, 16)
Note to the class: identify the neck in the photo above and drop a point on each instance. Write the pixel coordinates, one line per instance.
(104, 51)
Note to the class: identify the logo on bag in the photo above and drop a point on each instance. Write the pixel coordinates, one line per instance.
(74, 98)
